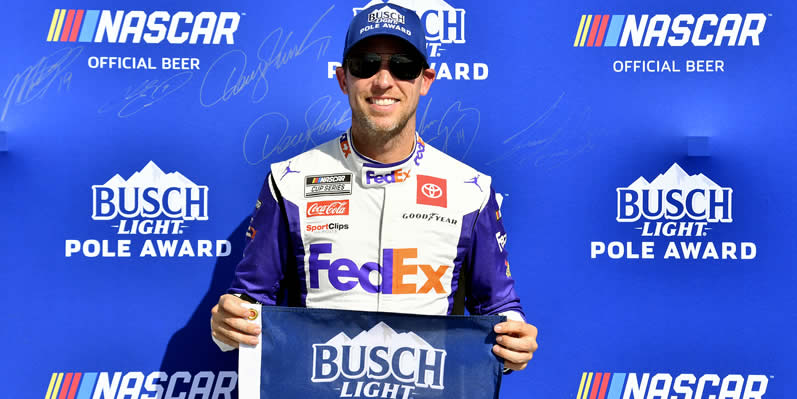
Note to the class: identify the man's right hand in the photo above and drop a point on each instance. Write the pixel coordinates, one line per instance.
(229, 322)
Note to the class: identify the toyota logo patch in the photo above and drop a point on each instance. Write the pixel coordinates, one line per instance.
(431, 190)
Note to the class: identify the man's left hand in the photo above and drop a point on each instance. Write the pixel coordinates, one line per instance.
(516, 343)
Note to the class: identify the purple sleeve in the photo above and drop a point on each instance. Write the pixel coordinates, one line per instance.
(266, 256)
(491, 287)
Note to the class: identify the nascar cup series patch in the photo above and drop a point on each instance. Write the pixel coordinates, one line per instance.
(339, 184)
(324, 353)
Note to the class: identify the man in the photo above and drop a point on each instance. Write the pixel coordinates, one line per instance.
(377, 220)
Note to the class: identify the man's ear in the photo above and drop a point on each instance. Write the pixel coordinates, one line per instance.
(340, 73)
(427, 76)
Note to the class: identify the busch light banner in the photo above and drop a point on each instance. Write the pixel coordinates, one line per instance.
(324, 353)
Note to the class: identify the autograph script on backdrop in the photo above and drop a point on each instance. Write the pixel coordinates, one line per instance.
(145, 94)
(566, 135)
(37, 79)
(455, 132)
(230, 69)
(270, 134)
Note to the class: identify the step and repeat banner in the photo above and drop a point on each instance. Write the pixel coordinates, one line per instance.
(644, 151)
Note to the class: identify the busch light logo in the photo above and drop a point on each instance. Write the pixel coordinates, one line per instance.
(386, 15)
(150, 193)
(379, 363)
(149, 202)
(675, 204)
(675, 195)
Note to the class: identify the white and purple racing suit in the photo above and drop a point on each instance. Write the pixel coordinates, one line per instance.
(334, 229)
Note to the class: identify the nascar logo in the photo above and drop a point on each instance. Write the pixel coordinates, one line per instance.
(663, 385)
(328, 179)
(704, 30)
(100, 26)
(133, 384)
(339, 184)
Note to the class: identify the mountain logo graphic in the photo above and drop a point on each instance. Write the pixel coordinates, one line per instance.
(150, 193)
(675, 195)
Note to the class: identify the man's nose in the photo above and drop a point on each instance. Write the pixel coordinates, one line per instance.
(383, 78)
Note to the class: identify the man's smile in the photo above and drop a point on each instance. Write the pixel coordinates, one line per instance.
(381, 100)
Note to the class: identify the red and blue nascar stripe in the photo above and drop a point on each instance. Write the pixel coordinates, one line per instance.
(599, 30)
(73, 25)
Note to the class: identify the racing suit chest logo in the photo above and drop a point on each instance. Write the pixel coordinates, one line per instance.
(344, 274)
(394, 176)
(328, 208)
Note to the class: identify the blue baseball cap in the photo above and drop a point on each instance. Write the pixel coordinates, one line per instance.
(387, 19)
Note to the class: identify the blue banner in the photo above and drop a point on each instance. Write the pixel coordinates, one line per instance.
(323, 353)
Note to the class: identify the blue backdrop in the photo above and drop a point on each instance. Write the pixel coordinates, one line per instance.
(521, 95)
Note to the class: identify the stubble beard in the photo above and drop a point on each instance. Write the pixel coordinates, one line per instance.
(379, 134)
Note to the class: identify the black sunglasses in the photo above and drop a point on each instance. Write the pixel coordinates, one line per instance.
(402, 66)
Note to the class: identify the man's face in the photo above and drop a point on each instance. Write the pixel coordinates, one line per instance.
(382, 106)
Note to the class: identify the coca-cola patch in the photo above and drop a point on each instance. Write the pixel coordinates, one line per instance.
(328, 208)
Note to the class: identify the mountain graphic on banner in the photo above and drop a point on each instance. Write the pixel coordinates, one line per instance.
(151, 176)
(675, 178)
(381, 335)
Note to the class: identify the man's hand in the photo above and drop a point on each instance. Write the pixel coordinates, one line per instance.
(517, 342)
(229, 322)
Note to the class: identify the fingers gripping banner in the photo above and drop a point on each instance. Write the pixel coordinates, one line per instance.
(323, 353)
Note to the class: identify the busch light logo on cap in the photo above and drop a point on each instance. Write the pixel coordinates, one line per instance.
(379, 363)
(386, 15)
(443, 23)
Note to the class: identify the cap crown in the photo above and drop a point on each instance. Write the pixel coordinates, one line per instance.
(387, 19)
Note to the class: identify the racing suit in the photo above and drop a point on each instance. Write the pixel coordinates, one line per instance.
(334, 229)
